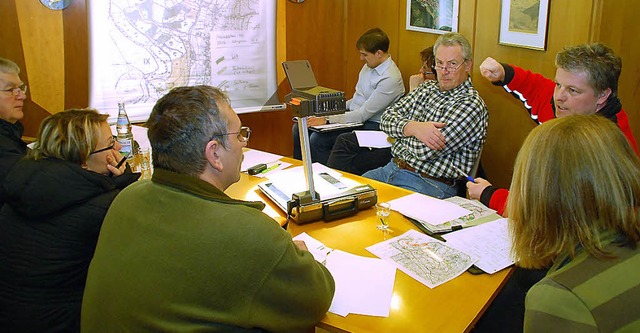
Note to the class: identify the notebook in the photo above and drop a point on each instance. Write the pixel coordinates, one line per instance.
(335, 127)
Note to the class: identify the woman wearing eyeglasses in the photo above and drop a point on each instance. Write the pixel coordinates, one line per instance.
(57, 199)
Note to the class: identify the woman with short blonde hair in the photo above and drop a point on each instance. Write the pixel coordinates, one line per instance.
(57, 198)
(573, 205)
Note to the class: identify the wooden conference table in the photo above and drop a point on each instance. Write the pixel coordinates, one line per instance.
(454, 306)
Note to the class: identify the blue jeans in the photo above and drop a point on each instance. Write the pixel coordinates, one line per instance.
(413, 181)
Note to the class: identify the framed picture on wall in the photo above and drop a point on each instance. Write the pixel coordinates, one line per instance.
(523, 23)
(434, 16)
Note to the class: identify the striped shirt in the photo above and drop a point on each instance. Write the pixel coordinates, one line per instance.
(587, 295)
(465, 114)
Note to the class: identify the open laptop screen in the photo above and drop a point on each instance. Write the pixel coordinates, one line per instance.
(299, 74)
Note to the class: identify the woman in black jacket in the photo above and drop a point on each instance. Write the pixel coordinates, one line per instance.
(57, 198)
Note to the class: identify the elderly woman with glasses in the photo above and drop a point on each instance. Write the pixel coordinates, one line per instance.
(57, 198)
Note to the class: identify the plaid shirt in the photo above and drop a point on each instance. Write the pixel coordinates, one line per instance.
(465, 114)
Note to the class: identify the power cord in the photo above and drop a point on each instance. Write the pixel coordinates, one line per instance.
(291, 204)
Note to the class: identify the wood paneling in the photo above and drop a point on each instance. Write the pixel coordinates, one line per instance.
(509, 123)
(44, 53)
(76, 50)
(11, 39)
(619, 30)
(324, 32)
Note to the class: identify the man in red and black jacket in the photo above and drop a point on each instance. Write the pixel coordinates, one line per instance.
(586, 82)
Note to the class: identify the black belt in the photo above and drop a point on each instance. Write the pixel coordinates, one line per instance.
(402, 164)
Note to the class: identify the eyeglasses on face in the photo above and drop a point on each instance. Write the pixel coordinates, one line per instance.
(16, 90)
(449, 68)
(113, 143)
(243, 134)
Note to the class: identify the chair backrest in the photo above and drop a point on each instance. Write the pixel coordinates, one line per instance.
(476, 165)
(462, 185)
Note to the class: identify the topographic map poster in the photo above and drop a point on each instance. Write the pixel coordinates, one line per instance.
(141, 49)
(425, 259)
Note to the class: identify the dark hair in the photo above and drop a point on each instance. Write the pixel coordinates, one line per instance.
(600, 63)
(373, 40)
(182, 123)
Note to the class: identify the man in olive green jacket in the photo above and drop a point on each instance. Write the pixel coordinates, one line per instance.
(177, 254)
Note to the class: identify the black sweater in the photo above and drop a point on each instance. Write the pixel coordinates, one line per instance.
(49, 227)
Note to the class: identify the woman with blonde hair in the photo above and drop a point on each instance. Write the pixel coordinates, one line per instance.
(573, 205)
(57, 198)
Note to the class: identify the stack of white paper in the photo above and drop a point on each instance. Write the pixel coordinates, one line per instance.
(363, 285)
(427, 209)
(489, 241)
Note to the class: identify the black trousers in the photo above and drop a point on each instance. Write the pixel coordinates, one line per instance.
(347, 155)
(321, 144)
(506, 312)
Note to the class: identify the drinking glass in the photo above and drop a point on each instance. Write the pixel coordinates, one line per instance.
(144, 163)
(383, 210)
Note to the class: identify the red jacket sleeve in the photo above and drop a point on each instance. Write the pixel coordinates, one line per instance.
(495, 198)
(623, 122)
(532, 89)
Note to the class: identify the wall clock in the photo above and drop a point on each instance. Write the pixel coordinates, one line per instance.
(56, 4)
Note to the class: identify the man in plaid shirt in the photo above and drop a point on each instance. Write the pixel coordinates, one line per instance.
(438, 127)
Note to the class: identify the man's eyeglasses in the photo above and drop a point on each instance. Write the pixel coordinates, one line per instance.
(243, 135)
(16, 91)
(449, 68)
(113, 143)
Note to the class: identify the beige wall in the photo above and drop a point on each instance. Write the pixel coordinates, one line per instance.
(324, 32)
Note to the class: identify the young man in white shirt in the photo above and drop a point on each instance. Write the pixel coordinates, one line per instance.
(379, 85)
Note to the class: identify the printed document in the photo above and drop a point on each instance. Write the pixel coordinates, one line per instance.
(424, 258)
(489, 241)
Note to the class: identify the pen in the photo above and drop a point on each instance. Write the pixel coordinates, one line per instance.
(124, 159)
(469, 178)
(271, 168)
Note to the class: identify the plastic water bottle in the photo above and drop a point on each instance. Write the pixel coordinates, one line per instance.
(125, 136)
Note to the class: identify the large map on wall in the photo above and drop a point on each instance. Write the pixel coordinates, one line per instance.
(140, 49)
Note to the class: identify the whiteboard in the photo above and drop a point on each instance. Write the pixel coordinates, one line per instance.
(140, 49)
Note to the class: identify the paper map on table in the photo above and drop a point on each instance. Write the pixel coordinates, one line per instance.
(423, 258)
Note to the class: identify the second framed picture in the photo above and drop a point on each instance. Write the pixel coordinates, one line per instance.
(523, 23)
(435, 16)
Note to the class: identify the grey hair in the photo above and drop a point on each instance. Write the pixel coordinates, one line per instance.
(453, 39)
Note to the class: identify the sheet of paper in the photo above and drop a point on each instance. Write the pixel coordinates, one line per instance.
(293, 180)
(427, 209)
(490, 241)
(363, 285)
(477, 209)
(253, 157)
(318, 250)
(425, 259)
(372, 139)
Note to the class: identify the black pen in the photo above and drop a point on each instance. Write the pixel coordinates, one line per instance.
(124, 159)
